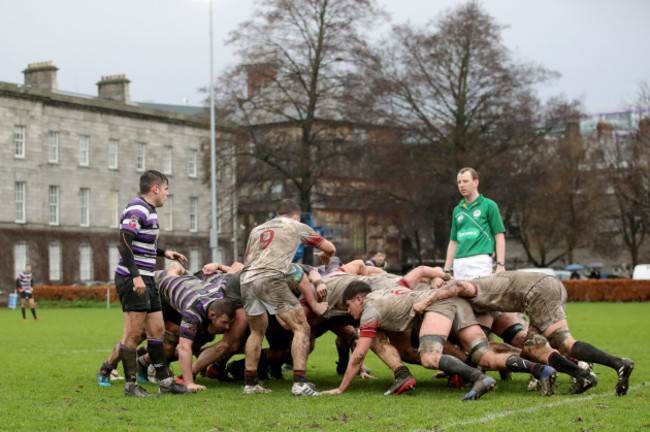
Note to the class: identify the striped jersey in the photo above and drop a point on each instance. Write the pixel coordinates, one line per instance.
(190, 297)
(141, 219)
(25, 281)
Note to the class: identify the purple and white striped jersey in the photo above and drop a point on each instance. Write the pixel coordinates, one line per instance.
(141, 219)
(25, 282)
(190, 297)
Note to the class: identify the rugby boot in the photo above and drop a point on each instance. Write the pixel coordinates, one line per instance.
(582, 384)
(401, 385)
(304, 389)
(104, 377)
(547, 381)
(219, 371)
(624, 373)
(254, 389)
(132, 389)
(174, 387)
(480, 387)
(141, 372)
(457, 381)
(533, 384)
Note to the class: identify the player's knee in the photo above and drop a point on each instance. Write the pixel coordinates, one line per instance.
(561, 339)
(478, 349)
(430, 349)
(511, 333)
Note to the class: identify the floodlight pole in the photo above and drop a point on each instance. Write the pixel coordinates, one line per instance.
(214, 233)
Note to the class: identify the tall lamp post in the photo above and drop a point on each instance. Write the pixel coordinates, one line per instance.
(214, 231)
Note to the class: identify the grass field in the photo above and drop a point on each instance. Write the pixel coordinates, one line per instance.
(47, 382)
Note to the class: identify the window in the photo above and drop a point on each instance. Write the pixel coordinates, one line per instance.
(20, 258)
(55, 261)
(140, 162)
(168, 208)
(19, 141)
(86, 271)
(19, 200)
(113, 260)
(195, 260)
(84, 206)
(194, 208)
(84, 150)
(53, 204)
(114, 212)
(112, 153)
(167, 160)
(53, 147)
(192, 162)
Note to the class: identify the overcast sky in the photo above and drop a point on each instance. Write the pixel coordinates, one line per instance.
(598, 46)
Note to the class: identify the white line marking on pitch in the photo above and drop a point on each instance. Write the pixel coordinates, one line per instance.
(495, 416)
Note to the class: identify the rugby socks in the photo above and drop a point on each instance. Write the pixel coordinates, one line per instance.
(562, 364)
(23, 310)
(106, 368)
(299, 376)
(590, 354)
(157, 356)
(33, 312)
(517, 364)
(250, 378)
(128, 362)
(452, 366)
(402, 372)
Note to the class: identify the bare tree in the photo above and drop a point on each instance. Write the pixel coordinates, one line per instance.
(460, 96)
(294, 57)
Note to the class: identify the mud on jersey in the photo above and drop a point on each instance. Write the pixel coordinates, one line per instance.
(272, 246)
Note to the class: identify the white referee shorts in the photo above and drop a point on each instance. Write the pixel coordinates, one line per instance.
(473, 266)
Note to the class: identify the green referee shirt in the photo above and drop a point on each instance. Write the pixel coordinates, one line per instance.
(474, 225)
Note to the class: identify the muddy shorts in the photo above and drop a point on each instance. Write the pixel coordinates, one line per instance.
(268, 293)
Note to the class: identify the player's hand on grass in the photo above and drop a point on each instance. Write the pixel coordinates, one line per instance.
(365, 375)
(195, 386)
(333, 391)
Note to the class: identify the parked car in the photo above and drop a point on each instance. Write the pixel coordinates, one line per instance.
(548, 271)
(641, 271)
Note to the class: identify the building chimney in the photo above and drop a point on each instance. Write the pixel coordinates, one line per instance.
(259, 76)
(42, 75)
(605, 130)
(115, 88)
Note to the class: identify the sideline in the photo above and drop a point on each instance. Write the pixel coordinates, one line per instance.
(496, 416)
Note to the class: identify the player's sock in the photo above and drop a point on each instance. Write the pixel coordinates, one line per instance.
(299, 375)
(517, 364)
(250, 378)
(402, 372)
(128, 362)
(157, 356)
(344, 357)
(106, 368)
(33, 312)
(23, 310)
(562, 364)
(452, 365)
(586, 352)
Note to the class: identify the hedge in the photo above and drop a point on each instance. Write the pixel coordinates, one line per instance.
(62, 292)
(607, 290)
(577, 290)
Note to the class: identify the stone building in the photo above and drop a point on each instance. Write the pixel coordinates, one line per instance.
(69, 165)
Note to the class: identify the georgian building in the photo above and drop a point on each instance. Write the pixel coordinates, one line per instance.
(69, 165)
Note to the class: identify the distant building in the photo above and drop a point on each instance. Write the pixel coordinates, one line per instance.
(70, 164)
